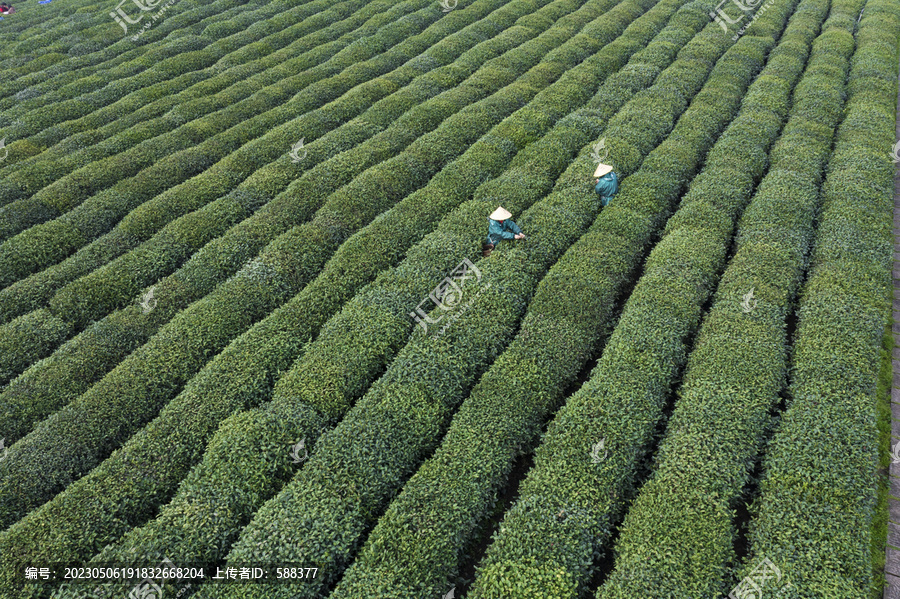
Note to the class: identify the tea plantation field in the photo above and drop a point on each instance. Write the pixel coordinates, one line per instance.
(251, 346)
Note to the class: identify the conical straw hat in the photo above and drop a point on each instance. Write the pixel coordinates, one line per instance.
(602, 169)
(500, 213)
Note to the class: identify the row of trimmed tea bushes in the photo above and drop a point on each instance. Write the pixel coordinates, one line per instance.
(102, 74)
(45, 52)
(643, 355)
(817, 502)
(738, 366)
(344, 361)
(21, 341)
(27, 177)
(34, 291)
(191, 18)
(77, 34)
(277, 274)
(357, 465)
(211, 489)
(49, 384)
(69, 70)
(439, 370)
(116, 283)
(70, 25)
(295, 54)
(232, 137)
(456, 489)
(110, 286)
(79, 311)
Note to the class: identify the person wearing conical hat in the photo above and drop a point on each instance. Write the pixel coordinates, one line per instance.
(606, 183)
(500, 227)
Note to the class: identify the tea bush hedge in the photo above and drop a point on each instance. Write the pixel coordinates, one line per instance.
(457, 488)
(678, 538)
(213, 484)
(50, 383)
(813, 518)
(429, 376)
(623, 399)
(29, 176)
(268, 279)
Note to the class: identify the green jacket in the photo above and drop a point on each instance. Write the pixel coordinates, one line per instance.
(607, 187)
(498, 231)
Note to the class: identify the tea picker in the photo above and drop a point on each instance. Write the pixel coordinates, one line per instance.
(606, 183)
(500, 228)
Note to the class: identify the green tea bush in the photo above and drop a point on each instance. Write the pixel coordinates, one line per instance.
(568, 505)
(814, 516)
(428, 378)
(52, 382)
(267, 280)
(564, 323)
(212, 484)
(738, 365)
(24, 338)
(311, 41)
(45, 244)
